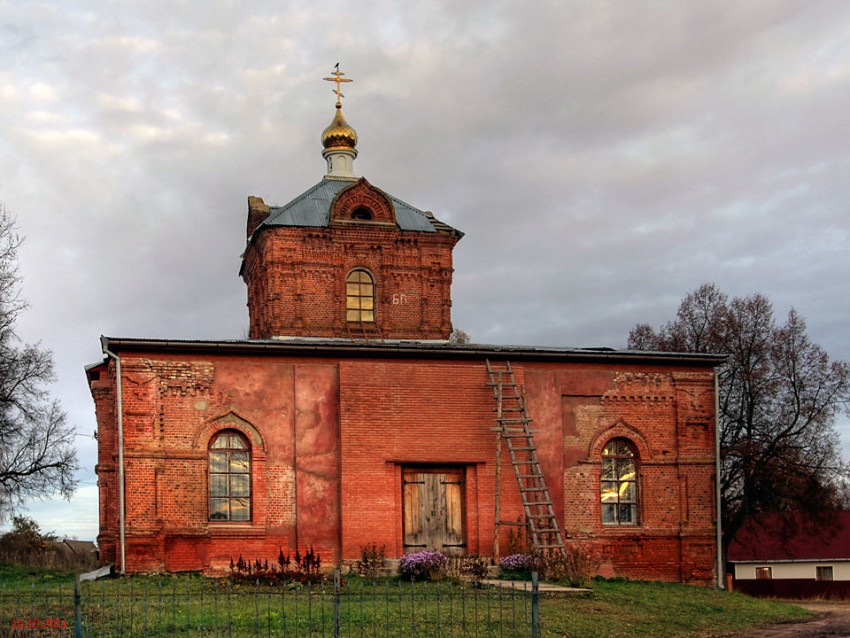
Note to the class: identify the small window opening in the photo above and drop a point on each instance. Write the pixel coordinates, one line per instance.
(362, 213)
(824, 572)
(764, 573)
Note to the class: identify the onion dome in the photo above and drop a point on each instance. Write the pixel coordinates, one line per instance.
(339, 134)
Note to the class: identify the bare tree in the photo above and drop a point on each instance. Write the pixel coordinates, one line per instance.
(458, 336)
(37, 454)
(779, 397)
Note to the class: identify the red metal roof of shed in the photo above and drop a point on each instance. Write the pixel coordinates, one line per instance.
(791, 537)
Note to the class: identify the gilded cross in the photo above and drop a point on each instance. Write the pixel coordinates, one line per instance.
(337, 77)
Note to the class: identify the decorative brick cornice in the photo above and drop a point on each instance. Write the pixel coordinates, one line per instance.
(183, 378)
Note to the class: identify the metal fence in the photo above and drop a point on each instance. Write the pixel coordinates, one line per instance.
(208, 607)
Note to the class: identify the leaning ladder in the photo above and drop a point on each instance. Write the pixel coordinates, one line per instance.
(513, 427)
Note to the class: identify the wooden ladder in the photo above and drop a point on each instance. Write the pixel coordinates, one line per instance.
(513, 428)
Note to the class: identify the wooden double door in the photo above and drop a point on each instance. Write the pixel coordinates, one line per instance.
(434, 510)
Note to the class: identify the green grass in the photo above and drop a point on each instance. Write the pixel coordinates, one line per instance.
(191, 605)
(621, 609)
(15, 576)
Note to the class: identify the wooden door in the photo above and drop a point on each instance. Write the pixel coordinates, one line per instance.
(433, 502)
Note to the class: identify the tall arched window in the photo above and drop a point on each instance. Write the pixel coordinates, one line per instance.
(230, 477)
(359, 296)
(619, 483)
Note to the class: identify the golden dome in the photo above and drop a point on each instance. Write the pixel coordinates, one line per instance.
(339, 133)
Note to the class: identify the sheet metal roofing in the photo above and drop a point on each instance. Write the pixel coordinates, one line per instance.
(312, 208)
(389, 348)
(791, 537)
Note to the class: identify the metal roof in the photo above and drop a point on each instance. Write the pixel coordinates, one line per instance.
(791, 537)
(312, 208)
(412, 349)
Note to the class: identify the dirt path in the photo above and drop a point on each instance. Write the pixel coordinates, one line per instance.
(833, 619)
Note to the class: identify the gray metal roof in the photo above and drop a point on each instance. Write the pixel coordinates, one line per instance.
(312, 208)
(413, 349)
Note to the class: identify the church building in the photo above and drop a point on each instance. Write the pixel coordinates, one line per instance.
(350, 417)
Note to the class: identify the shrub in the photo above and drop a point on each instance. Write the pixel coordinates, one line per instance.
(297, 569)
(517, 566)
(471, 568)
(580, 565)
(372, 561)
(424, 566)
(27, 546)
(517, 539)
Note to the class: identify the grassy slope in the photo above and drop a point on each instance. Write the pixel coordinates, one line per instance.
(626, 609)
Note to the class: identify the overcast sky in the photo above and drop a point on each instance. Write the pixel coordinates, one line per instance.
(603, 158)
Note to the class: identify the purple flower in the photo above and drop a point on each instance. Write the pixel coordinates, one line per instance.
(423, 565)
(517, 563)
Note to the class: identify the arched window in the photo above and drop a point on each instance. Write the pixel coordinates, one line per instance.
(230, 477)
(619, 484)
(359, 296)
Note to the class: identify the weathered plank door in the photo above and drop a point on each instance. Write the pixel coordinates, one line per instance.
(433, 501)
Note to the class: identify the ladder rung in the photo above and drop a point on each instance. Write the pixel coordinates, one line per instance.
(513, 424)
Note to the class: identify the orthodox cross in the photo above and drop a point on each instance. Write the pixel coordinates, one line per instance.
(337, 77)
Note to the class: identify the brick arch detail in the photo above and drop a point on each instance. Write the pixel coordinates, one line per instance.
(619, 430)
(362, 194)
(364, 268)
(230, 421)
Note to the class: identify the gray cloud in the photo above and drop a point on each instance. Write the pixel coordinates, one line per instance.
(603, 158)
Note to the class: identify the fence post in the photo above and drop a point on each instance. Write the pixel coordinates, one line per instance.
(535, 606)
(78, 619)
(336, 604)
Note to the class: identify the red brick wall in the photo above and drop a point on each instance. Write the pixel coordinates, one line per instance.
(296, 280)
(330, 438)
(441, 413)
(172, 408)
(669, 416)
